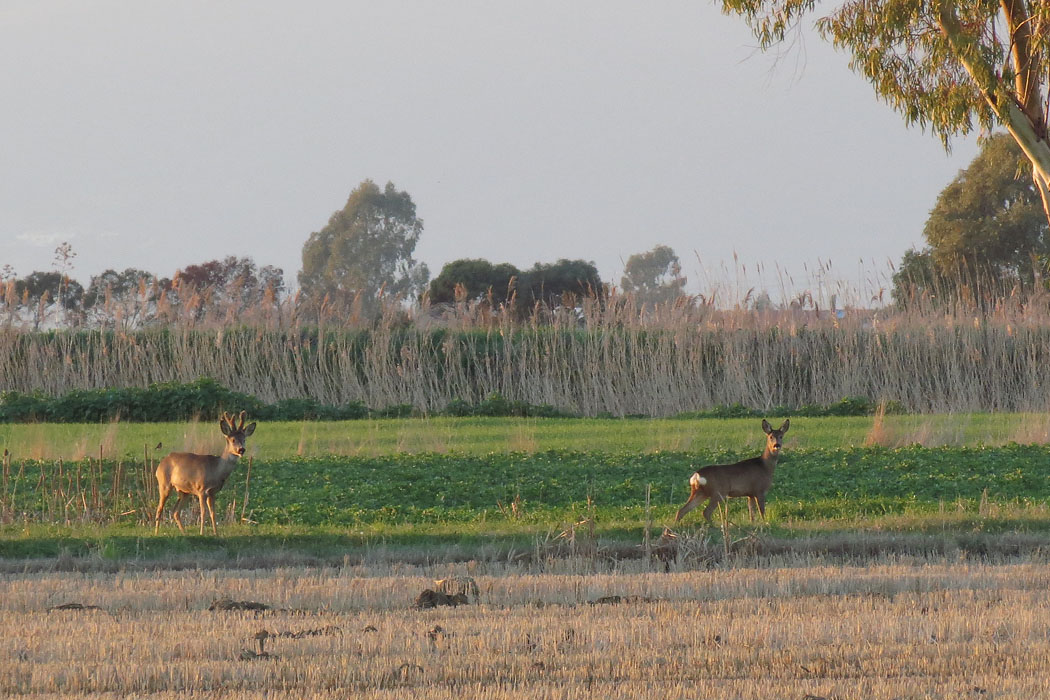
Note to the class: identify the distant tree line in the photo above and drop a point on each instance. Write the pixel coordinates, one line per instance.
(987, 239)
(133, 298)
(358, 264)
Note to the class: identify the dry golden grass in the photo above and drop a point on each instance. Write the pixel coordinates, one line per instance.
(86, 446)
(1032, 430)
(955, 430)
(524, 438)
(380, 437)
(891, 630)
(422, 437)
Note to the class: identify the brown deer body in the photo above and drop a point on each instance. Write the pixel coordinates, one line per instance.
(201, 475)
(750, 478)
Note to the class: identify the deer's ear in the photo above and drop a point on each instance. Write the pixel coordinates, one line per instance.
(766, 427)
(224, 426)
(784, 428)
(250, 429)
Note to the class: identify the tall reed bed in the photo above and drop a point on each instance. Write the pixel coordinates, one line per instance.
(606, 360)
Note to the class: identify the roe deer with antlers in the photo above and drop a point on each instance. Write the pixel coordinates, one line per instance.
(750, 478)
(202, 475)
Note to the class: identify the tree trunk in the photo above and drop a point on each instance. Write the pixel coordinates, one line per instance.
(1024, 129)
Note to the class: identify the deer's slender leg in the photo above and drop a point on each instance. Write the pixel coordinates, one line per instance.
(160, 508)
(694, 500)
(200, 497)
(712, 505)
(762, 506)
(178, 507)
(211, 511)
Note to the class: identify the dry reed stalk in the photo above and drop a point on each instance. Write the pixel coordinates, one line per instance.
(247, 483)
(879, 433)
(647, 546)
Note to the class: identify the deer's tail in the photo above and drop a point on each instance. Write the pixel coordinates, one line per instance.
(696, 495)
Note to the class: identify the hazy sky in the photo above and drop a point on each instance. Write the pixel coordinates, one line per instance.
(160, 134)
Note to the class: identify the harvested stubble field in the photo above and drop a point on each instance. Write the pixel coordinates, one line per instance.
(794, 629)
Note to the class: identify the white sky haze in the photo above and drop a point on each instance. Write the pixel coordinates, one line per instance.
(165, 133)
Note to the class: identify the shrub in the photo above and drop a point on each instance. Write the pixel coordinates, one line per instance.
(206, 399)
(402, 410)
(458, 408)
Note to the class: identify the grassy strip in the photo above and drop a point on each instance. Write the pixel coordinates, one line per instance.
(480, 436)
(1006, 534)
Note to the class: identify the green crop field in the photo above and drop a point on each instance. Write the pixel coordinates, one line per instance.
(510, 484)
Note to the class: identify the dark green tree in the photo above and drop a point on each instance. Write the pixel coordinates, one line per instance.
(990, 219)
(366, 250)
(986, 232)
(916, 281)
(479, 279)
(563, 283)
(654, 277)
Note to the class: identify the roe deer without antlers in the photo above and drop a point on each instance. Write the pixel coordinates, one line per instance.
(750, 478)
(202, 475)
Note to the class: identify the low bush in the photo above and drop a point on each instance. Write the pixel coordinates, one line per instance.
(206, 399)
(849, 406)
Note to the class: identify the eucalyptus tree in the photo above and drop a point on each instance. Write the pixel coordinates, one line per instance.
(654, 277)
(947, 65)
(366, 249)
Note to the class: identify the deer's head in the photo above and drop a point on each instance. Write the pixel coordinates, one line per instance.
(235, 433)
(775, 438)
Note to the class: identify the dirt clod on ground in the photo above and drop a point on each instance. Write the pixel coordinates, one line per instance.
(432, 599)
(617, 599)
(230, 604)
(73, 606)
